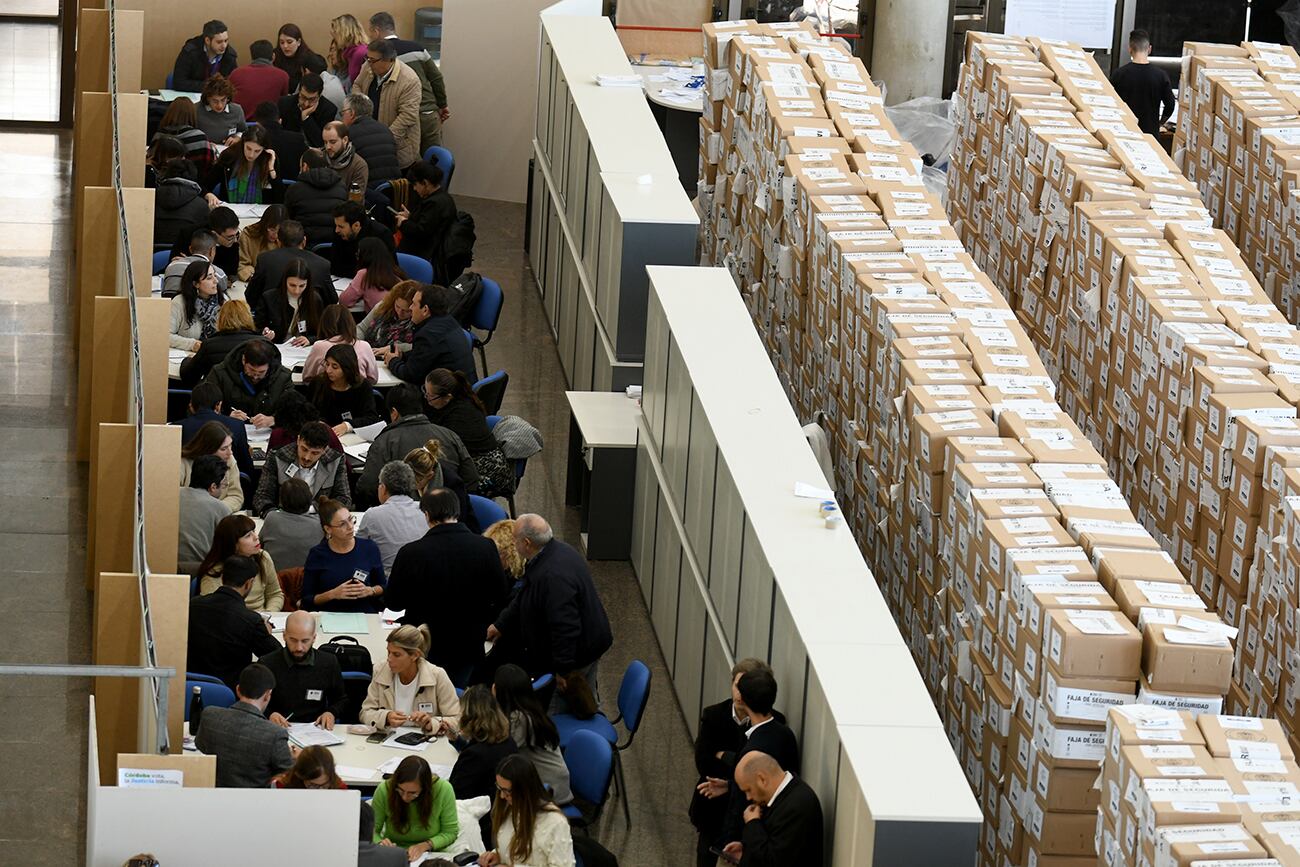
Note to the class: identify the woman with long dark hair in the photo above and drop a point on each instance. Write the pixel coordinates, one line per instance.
(213, 438)
(237, 534)
(531, 728)
(245, 170)
(528, 826)
(454, 405)
(256, 239)
(345, 400)
(291, 53)
(338, 328)
(415, 809)
(290, 313)
(313, 769)
(377, 273)
(182, 123)
(164, 148)
(194, 311)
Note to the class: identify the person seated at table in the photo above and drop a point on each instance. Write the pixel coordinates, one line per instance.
(290, 313)
(178, 201)
(370, 853)
(397, 520)
(288, 144)
(345, 400)
(181, 122)
(352, 225)
(409, 428)
(194, 310)
(200, 511)
(306, 111)
(291, 53)
(308, 684)
(344, 159)
(222, 222)
(163, 148)
(250, 749)
(529, 828)
(415, 810)
(378, 274)
(201, 247)
(338, 328)
(314, 766)
(224, 636)
(309, 458)
(256, 239)
(260, 80)
(455, 406)
(432, 473)
(234, 328)
(203, 56)
(408, 690)
(213, 438)
(252, 381)
(484, 741)
(532, 729)
(205, 406)
(439, 340)
(289, 532)
(268, 270)
(244, 172)
(451, 575)
(293, 412)
(220, 117)
(237, 534)
(311, 201)
(342, 573)
(388, 327)
(425, 225)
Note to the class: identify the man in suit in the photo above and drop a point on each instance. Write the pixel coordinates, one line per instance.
(370, 853)
(205, 406)
(557, 613)
(449, 576)
(224, 635)
(250, 749)
(269, 269)
(783, 821)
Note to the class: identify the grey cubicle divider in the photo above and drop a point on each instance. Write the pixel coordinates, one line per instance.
(732, 564)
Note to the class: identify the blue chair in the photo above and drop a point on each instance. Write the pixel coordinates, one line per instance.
(169, 80)
(491, 391)
(521, 464)
(194, 591)
(201, 678)
(246, 485)
(543, 682)
(633, 695)
(323, 249)
(590, 760)
(442, 158)
(486, 512)
(355, 685)
(160, 260)
(415, 267)
(212, 695)
(485, 316)
(178, 403)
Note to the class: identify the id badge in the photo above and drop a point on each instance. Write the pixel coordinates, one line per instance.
(315, 694)
(360, 576)
(347, 416)
(302, 327)
(425, 707)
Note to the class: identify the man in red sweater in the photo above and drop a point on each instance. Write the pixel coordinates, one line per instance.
(259, 81)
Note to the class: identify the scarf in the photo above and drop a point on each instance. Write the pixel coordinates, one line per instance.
(396, 330)
(340, 162)
(205, 310)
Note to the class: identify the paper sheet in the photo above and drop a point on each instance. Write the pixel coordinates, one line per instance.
(292, 356)
(813, 492)
(248, 212)
(278, 619)
(344, 623)
(309, 735)
(1091, 23)
(357, 450)
(341, 283)
(351, 773)
(370, 431)
(168, 95)
(176, 356)
(606, 80)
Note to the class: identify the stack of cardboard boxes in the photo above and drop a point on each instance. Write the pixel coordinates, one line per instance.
(1214, 791)
(1031, 595)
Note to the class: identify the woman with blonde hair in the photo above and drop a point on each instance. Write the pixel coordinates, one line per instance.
(388, 325)
(502, 533)
(484, 741)
(408, 690)
(424, 461)
(237, 534)
(258, 238)
(347, 52)
(234, 328)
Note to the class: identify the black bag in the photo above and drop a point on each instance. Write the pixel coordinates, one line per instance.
(468, 288)
(460, 239)
(350, 654)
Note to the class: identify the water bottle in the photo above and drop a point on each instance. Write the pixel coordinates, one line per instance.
(196, 708)
(354, 191)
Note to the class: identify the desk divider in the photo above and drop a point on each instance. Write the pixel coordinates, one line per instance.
(200, 771)
(92, 50)
(109, 546)
(92, 143)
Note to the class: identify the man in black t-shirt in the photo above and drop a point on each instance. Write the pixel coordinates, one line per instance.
(1145, 88)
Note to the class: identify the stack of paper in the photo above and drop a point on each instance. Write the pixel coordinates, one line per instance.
(606, 80)
(357, 450)
(293, 356)
(312, 735)
(344, 623)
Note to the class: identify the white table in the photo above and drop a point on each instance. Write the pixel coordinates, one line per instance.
(602, 469)
(175, 356)
(375, 639)
(661, 87)
(676, 109)
(356, 755)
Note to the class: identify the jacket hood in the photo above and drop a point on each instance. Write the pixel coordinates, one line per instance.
(321, 179)
(233, 362)
(174, 193)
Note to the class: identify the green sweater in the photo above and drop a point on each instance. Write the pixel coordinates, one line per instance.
(441, 830)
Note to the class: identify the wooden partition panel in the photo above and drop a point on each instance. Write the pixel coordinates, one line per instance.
(92, 149)
(111, 356)
(119, 641)
(92, 50)
(112, 508)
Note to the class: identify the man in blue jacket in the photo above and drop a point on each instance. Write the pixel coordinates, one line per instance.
(439, 340)
(205, 406)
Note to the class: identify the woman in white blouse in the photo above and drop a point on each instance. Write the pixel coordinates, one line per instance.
(194, 310)
(530, 830)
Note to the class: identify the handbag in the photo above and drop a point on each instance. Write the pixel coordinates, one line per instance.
(577, 693)
(349, 652)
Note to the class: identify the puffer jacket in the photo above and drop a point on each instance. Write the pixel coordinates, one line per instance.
(311, 202)
(191, 67)
(178, 205)
(236, 394)
(375, 143)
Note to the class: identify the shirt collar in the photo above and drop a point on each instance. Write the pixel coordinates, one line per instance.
(785, 781)
(756, 726)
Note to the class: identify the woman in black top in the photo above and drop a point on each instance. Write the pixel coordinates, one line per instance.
(234, 328)
(291, 53)
(453, 404)
(344, 399)
(483, 742)
(290, 313)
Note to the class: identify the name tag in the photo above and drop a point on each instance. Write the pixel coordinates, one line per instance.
(347, 416)
(360, 576)
(315, 694)
(302, 327)
(425, 707)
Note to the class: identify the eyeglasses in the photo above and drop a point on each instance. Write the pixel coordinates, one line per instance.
(370, 59)
(502, 790)
(351, 521)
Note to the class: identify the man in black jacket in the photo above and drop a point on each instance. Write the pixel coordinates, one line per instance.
(224, 636)
(450, 577)
(557, 612)
(409, 428)
(203, 56)
(425, 228)
(288, 144)
(783, 821)
(312, 200)
(223, 224)
(269, 269)
(205, 406)
(371, 139)
(305, 111)
(351, 226)
(252, 381)
(439, 340)
(308, 685)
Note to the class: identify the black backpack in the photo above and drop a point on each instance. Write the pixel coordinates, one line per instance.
(459, 243)
(468, 288)
(349, 652)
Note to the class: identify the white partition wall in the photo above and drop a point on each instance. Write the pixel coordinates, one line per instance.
(606, 202)
(732, 564)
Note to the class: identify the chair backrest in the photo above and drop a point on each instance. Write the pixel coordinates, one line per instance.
(492, 421)
(291, 586)
(543, 682)
(212, 694)
(443, 159)
(590, 760)
(160, 260)
(415, 267)
(169, 80)
(634, 693)
(201, 678)
(487, 310)
(194, 586)
(486, 512)
(491, 390)
(323, 247)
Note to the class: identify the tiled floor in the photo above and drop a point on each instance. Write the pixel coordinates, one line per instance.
(29, 70)
(29, 7)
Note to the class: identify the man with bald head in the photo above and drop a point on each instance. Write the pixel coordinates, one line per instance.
(557, 613)
(783, 822)
(308, 685)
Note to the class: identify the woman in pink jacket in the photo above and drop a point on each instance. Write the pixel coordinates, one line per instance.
(336, 326)
(377, 272)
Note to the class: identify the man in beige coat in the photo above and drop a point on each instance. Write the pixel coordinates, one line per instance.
(394, 88)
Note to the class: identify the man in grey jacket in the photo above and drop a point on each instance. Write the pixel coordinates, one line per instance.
(310, 459)
(370, 853)
(409, 428)
(250, 749)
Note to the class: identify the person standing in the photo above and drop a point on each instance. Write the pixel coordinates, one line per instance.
(250, 749)
(433, 91)
(394, 89)
(204, 56)
(260, 81)
(1143, 87)
(783, 821)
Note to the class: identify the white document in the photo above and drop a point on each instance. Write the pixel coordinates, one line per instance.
(607, 80)
(353, 773)
(388, 615)
(277, 620)
(292, 356)
(168, 95)
(310, 735)
(813, 492)
(415, 748)
(247, 212)
(1091, 23)
(176, 356)
(357, 450)
(390, 766)
(370, 431)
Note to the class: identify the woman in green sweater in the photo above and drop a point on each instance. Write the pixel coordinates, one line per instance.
(415, 809)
